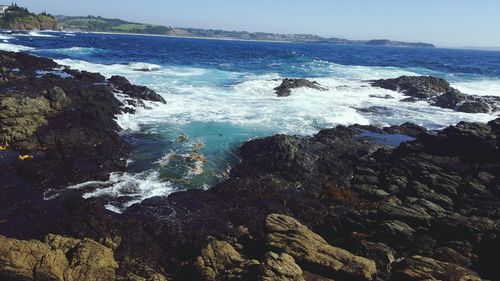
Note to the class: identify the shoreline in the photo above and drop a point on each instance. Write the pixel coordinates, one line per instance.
(341, 192)
(178, 36)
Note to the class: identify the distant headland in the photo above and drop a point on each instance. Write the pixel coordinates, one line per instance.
(100, 24)
(16, 18)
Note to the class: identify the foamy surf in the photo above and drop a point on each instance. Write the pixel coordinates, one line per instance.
(224, 107)
(5, 37)
(40, 34)
(14, 48)
(80, 51)
(123, 190)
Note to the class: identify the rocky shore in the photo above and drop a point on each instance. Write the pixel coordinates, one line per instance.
(350, 203)
(438, 92)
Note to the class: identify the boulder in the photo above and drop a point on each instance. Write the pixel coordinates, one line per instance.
(280, 268)
(285, 89)
(140, 92)
(312, 252)
(57, 259)
(408, 129)
(220, 261)
(420, 87)
(423, 268)
(438, 92)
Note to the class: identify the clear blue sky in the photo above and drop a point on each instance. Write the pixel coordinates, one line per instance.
(443, 22)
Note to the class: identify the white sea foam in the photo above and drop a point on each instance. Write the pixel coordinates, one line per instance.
(5, 37)
(490, 87)
(40, 34)
(130, 70)
(210, 95)
(14, 48)
(141, 66)
(73, 51)
(165, 160)
(134, 187)
(193, 95)
(81, 49)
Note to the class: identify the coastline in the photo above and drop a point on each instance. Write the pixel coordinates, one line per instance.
(427, 200)
(187, 37)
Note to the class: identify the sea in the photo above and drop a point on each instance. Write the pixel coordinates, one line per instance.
(220, 94)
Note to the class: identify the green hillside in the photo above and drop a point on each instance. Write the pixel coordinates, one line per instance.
(99, 24)
(18, 18)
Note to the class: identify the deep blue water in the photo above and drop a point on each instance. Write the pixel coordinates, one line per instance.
(287, 59)
(220, 94)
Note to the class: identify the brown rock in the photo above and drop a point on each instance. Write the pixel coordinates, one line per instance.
(220, 261)
(312, 251)
(58, 259)
(281, 268)
(423, 268)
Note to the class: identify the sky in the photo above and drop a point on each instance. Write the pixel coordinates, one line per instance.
(451, 23)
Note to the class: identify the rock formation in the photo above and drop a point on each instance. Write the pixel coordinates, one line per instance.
(438, 92)
(56, 259)
(310, 250)
(288, 84)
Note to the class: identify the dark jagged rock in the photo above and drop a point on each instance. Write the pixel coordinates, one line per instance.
(139, 92)
(285, 89)
(63, 118)
(434, 193)
(408, 129)
(438, 92)
(423, 87)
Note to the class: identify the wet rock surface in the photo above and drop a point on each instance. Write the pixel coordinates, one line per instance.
(340, 205)
(64, 118)
(438, 92)
(288, 84)
(134, 91)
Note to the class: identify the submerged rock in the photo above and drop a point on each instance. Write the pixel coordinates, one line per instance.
(288, 84)
(438, 92)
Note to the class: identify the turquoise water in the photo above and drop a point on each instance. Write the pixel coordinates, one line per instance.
(171, 145)
(220, 94)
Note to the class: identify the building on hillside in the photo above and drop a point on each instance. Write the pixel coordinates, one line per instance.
(3, 9)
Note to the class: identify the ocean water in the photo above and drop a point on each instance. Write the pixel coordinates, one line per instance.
(220, 94)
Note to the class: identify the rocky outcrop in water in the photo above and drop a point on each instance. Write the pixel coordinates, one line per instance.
(288, 84)
(57, 128)
(438, 92)
(64, 118)
(134, 91)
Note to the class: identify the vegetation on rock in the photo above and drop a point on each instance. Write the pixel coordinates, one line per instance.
(18, 18)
